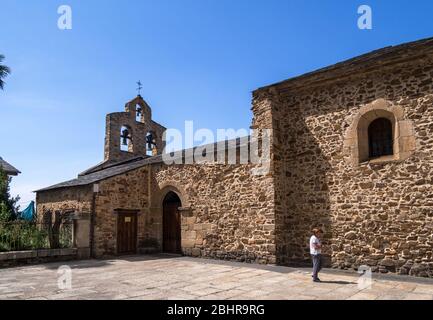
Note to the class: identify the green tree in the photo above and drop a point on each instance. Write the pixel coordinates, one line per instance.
(8, 205)
(4, 72)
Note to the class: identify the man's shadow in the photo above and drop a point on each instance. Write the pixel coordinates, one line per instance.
(338, 282)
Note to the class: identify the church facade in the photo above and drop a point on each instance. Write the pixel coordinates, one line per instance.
(351, 152)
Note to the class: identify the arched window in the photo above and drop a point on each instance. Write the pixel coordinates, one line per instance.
(151, 146)
(126, 139)
(380, 138)
(379, 133)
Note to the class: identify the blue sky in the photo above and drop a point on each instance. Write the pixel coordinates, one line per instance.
(197, 59)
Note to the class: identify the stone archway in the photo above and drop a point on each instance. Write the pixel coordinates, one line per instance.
(164, 190)
(171, 221)
(170, 186)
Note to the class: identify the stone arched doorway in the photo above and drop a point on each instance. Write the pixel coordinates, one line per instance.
(171, 221)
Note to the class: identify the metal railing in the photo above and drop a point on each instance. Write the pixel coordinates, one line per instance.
(22, 235)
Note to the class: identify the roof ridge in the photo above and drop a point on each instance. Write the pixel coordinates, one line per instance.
(109, 172)
(8, 168)
(353, 62)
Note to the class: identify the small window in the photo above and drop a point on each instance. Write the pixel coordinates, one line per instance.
(380, 138)
(379, 133)
(126, 139)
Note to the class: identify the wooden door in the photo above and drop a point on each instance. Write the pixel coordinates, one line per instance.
(172, 228)
(127, 233)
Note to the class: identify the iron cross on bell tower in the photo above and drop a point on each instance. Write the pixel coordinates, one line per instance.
(139, 87)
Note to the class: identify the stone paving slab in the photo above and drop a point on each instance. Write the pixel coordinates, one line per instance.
(164, 277)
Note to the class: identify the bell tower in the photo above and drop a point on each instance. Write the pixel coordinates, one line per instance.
(132, 133)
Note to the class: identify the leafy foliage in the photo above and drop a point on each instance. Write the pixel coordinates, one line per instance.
(8, 204)
(16, 235)
(20, 235)
(30, 235)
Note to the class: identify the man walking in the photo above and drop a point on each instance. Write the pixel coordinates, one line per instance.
(316, 252)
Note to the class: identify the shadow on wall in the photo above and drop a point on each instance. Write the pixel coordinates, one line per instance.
(301, 189)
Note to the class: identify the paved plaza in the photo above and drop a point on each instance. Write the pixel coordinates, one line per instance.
(171, 277)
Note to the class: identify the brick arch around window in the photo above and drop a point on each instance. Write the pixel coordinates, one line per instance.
(357, 143)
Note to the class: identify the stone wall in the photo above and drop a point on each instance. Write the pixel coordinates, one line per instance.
(78, 199)
(128, 191)
(29, 257)
(377, 214)
(229, 212)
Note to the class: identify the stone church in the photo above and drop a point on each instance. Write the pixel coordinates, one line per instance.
(351, 152)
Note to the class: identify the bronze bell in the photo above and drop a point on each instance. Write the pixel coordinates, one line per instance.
(125, 137)
(151, 141)
(138, 111)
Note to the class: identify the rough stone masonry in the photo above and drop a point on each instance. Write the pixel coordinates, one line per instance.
(352, 152)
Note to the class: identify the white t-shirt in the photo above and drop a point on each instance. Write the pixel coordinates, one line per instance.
(314, 240)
